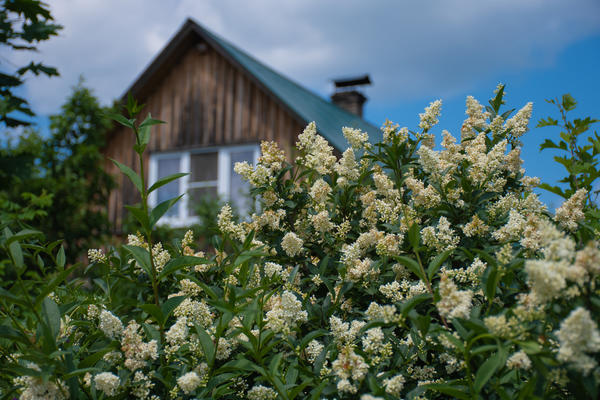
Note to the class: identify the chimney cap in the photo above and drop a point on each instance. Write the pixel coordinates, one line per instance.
(353, 81)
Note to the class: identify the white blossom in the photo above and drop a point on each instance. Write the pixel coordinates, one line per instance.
(107, 382)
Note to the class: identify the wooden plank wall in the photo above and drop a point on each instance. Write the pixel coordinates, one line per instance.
(205, 101)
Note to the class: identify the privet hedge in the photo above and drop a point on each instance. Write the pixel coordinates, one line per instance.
(394, 272)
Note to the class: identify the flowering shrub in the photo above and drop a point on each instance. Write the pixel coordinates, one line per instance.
(396, 271)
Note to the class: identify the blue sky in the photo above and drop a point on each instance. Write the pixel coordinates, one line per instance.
(576, 70)
(415, 52)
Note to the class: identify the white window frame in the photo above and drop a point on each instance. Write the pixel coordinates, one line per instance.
(224, 171)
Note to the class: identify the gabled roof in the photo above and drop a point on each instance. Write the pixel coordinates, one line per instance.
(303, 104)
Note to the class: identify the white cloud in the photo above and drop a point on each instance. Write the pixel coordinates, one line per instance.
(411, 49)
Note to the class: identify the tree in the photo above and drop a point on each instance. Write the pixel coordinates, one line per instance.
(23, 25)
(67, 166)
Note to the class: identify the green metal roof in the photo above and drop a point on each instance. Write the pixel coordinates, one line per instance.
(305, 104)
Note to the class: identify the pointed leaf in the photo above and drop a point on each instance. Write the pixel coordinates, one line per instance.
(51, 315)
(60, 257)
(165, 180)
(178, 263)
(208, 347)
(171, 304)
(122, 120)
(142, 256)
(487, 370)
(131, 174)
(412, 265)
(161, 209)
(437, 262)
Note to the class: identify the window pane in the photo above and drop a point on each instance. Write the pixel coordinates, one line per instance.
(205, 199)
(238, 188)
(204, 167)
(168, 166)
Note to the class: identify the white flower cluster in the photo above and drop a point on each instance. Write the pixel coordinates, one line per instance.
(430, 117)
(578, 335)
(97, 256)
(189, 382)
(286, 313)
(260, 392)
(357, 138)
(292, 244)
(519, 360)
(36, 388)
(518, 124)
(110, 324)
(108, 383)
(350, 368)
(313, 349)
(453, 303)
(136, 351)
(318, 154)
(442, 237)
(571, 211)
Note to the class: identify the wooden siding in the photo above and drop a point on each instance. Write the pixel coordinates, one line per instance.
(205, 101)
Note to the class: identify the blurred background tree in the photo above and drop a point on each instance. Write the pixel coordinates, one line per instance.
(65, 169)
(23, 25)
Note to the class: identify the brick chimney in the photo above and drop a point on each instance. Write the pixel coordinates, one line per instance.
(347, 95)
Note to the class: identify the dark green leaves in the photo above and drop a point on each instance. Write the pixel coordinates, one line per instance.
(161, 209)
(437, 262)
(488, 368)
(51, 315)
(142, 257)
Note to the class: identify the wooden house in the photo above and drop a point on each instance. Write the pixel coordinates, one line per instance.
(219, 103)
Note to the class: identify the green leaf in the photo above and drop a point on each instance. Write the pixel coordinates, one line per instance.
(487, 370)
(437, 262)
(16, 254)
(171, 304)
(412, 265)
(546, 122)
(549, 144)
(491, 284)
(313, 335)
(122, 120)
(60, 257)
(165, 180)
(414, 236)
(49, 288)
(51, 315)
(155, 311)
(142, 256)
(140, 215)
(94, 358)
(496, 102)
(208, 347)
(23, 234)
(131, 174)
(80, 371)
(568, 102)
(274, 364)
(178, 263)
(149, 121)
(9, 333)
(161, 209)
(12, 297)
(450, 389)
(414, 301)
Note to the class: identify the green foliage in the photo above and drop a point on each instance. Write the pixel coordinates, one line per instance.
(403, 273)
(63, 173)
(580, 160)
(23, 25)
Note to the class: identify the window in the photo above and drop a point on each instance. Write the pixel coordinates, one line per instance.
(210, 174)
